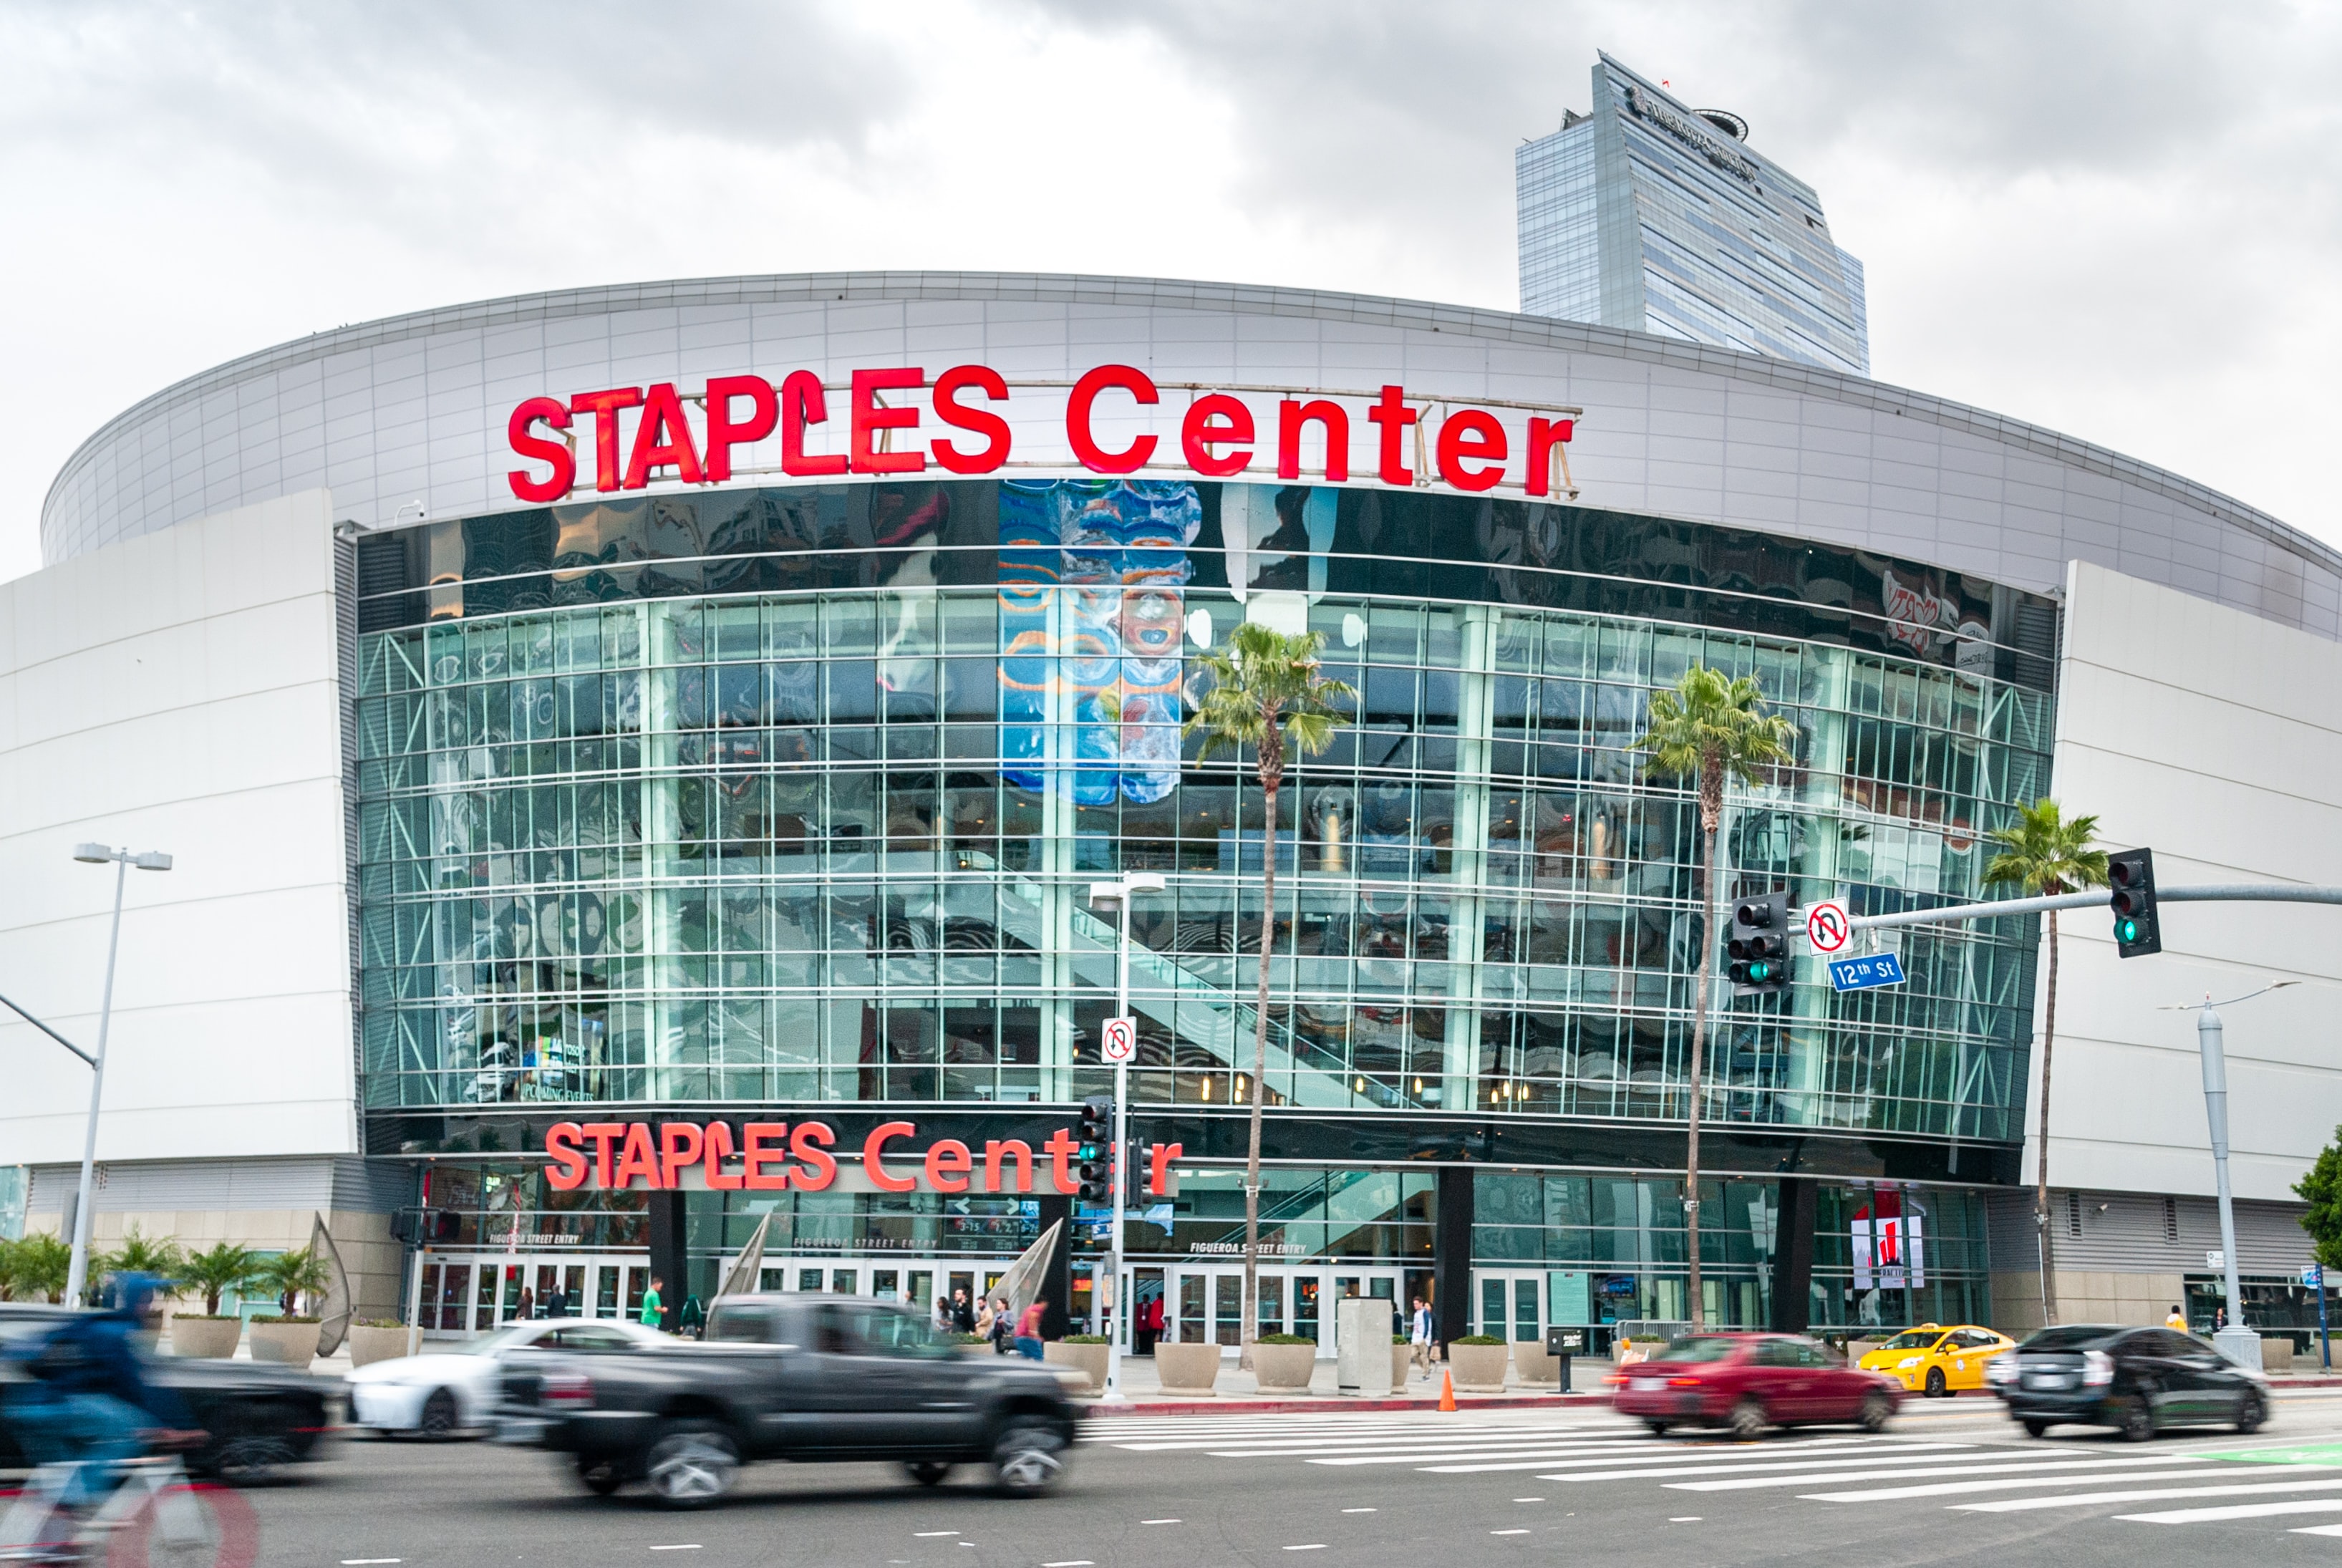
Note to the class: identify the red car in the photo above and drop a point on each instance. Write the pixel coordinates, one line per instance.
(1746, 1382)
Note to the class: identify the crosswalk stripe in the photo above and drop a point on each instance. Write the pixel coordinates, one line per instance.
(2313, 1529)
(1954, 1488)
(1516, 1458)
(2244, 1511)
(1520, 1440)
(2011, 1467)
(1873, 1463)
(2092, 1499)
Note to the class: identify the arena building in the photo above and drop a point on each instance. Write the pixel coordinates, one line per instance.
(636, 759)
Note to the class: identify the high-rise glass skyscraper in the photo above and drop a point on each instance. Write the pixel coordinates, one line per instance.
(1649, 214)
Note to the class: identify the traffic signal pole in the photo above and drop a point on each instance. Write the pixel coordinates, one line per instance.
(2097, 897)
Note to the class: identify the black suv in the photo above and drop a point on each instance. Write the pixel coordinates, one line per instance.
(2138, 1381)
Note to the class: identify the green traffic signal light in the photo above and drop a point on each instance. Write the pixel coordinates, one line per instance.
(1759, 972)
(2126, 930)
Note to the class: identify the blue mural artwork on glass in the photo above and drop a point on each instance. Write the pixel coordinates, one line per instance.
(1092, 575)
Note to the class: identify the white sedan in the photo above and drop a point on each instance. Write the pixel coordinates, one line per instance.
(440, 1393)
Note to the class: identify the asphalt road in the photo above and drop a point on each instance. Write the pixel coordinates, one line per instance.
(1420, 1490)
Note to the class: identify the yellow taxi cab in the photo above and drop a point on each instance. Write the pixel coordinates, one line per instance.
(1936, 1361)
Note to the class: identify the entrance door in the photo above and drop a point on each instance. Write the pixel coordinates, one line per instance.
(1509, 1303)
(1207, 1302)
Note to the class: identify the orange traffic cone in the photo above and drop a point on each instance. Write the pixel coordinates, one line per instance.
(1446, 1389)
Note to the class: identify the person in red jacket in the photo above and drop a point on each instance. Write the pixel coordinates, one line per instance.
(1028, 1328)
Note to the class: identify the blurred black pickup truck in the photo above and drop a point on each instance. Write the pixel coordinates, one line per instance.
(799, 1377)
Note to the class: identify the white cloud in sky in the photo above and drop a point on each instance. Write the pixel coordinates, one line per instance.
(2117, 219)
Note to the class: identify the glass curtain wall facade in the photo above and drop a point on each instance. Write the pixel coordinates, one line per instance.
(792, 796)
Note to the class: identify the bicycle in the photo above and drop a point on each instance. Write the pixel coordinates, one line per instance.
(153, 1517)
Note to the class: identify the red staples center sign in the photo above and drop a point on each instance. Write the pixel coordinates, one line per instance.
(967, 420)
(781, 1157)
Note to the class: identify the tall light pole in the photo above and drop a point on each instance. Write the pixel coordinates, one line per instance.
(77, 1278)
(1117, 894)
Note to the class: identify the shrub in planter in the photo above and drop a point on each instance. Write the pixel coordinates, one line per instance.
(211, 1336)
(1086, 1352)
(1186, 1368)
(378, 1339)
(1478, 1363)
(1284, 1362)
(287, 1341)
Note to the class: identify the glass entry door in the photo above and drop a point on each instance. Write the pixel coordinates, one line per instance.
(1509, 1303)
(1204, 1303)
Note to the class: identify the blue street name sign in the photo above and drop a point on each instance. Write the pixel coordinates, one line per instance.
(1862, 973)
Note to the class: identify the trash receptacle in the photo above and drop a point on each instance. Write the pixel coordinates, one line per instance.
(1561, 1344)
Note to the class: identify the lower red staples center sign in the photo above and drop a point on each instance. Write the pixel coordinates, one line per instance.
(783, 1156)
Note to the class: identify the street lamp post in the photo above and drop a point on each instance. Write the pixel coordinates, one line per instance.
(1118, 894)
(77, 1277)
(2237, 1343)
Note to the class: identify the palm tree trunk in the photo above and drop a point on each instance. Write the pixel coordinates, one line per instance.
(1709, 883)
(2041, 1168)
(1248, 1330)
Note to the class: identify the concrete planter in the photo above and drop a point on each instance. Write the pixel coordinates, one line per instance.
(1478, 1368)
(1402, 1367)
(1187, 1369)
(1088, 1359)
(1284, 1368)
(284, 1343)
(1533, 1366)
(368, 1345)
(208, 1338)
(2277, 1355)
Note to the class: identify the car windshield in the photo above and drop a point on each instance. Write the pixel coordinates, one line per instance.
(1700, 1347)
(1916, 1339)
(2075, 1336)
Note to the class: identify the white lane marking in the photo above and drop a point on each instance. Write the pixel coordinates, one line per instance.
(2242, 1511)
(1357, 1511)
(924, 1534)
(1952, 1488)
(2306, 1529)
(2089, 1499)
(1833, 1451)
(1161, 1522)
(1878, 1463)
(369, 1562)
(1310, 1546)
(1507, 1531)
(1528, 1499)
(2015, 1467)
(690, 1546)
(1685, 1519)
(1071, 1562)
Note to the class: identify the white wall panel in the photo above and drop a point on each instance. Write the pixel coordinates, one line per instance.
(2214, 737)
(179, 691)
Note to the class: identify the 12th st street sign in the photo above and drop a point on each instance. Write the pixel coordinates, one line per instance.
(1862, 973)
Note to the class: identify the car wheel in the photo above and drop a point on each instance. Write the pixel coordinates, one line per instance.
(2036, 1429)
(1659, 1428)
(1935, 1388)
(1877, 1410)
(1028, 1458)
(1746, 1421)
(437, 1422)
(2252, 1411)
(251, 1460)
(929, 1471)
(2137, 1423)
(599, 1475)
(692, 1464)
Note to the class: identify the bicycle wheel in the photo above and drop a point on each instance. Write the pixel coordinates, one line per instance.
(188, 1525)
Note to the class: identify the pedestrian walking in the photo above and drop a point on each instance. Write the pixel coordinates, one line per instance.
(558, 1303)
(1418, 1337)
(963, 1315)
(1028, 1329)
(651, 1306)
(2175, 1319)
(527, 1308)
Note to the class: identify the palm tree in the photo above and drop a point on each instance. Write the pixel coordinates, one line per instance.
(164, 1259)
(287, 1275)
(38, 1267)
(220, 1269)
(1266, 694)
(2048, 852)
(1708, 725)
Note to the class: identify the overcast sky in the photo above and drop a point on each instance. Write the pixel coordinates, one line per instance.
(2118, 220)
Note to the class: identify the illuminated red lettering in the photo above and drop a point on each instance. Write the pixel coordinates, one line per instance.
(1077, 421)
(1393, 416)
(948, 1164)
(723, 431)
(1215, 420)
(994, 1151)
(873, 1156)
(802, 404)
(1290, 417)
(1471, 434)
(978, 421)
(561, 1142)
(527, 444)
(755, 1153)
(636, 1158)
(1158, 1172)
(1060, 1148)
(1546, 437)
(870, 420)
(719, 1148)
(680, 1143)
(808, 1146)
(661, 440)
(604, 1133)
(603, 407)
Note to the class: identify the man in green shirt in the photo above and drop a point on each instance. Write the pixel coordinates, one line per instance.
(650, 1318)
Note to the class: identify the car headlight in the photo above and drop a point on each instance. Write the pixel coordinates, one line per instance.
(1906, 1363)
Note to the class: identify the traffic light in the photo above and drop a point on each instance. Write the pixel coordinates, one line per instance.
(1095, 1151)
(1760, 946)
(2132, 877)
